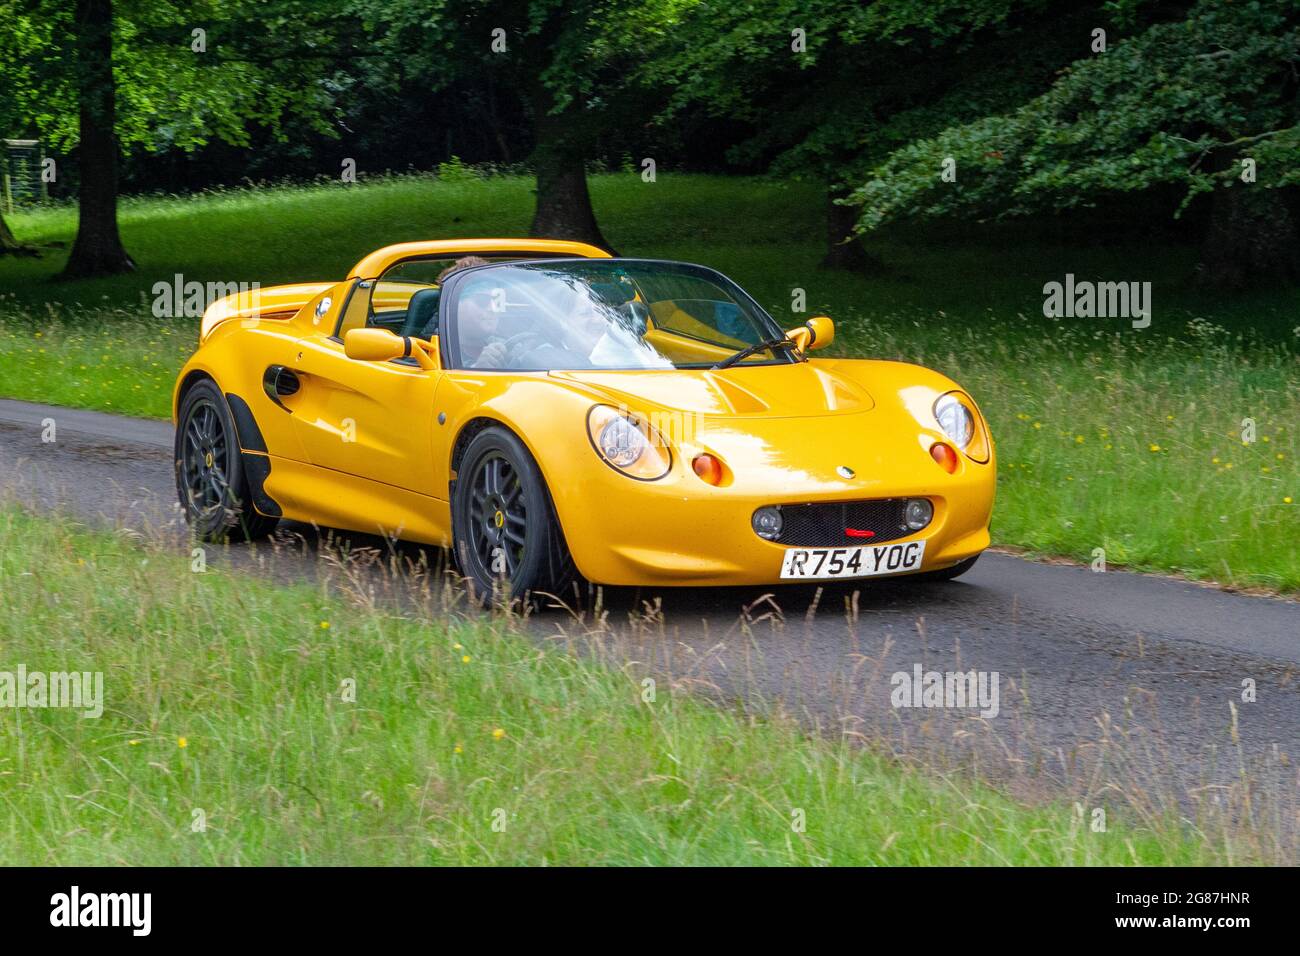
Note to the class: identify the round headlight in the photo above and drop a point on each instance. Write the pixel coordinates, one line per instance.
(622, 443)
(955, 419)
(628, 444)
(767, 523)
(918, 513)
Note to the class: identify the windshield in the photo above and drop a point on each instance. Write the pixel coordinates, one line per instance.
(604, 314)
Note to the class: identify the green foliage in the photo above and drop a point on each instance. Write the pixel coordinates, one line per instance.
(170, 96)
(869, 77)
(565, 57)
(1180, 103)
(455, 171)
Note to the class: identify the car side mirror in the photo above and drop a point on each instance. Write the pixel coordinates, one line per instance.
(384, 345)
(817, 333)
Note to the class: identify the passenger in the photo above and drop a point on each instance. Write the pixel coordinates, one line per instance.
(602, 333)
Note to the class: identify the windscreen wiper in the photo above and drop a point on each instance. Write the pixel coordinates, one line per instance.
(749, 350)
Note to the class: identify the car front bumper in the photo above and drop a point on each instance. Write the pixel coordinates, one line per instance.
(681, 531)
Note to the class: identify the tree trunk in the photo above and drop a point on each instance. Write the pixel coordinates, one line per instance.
(9, 246)
(1251, 236)
(844, 249)
(563, 202)
(98, 249)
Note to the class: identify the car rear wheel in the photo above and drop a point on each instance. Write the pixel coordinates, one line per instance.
(507, 539)
(210, 479)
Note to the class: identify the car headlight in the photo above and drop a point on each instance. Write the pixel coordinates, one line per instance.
(628, 444)
(957, 417)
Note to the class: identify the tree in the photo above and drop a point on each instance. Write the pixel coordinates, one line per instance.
(1207, 103)
(154, 75)
(828, 89)
(8, 244)
(98, 249)
(16, 39)
(571, 62)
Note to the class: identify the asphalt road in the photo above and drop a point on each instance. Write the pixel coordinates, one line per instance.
(1116, 686)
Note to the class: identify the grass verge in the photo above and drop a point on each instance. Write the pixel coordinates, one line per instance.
(225, 706)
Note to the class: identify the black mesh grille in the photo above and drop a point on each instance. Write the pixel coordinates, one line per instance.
(825, 525)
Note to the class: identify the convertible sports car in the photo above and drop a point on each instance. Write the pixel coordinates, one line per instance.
(548, 411)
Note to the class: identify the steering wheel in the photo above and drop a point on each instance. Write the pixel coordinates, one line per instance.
(519, 345)
(517, 340)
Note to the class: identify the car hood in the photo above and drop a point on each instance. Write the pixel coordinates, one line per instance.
(757, 391)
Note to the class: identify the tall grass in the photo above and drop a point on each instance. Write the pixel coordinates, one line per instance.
(108, 359)
(1153, 454)
(247, 723)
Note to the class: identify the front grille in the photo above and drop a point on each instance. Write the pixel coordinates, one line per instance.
(823, 525)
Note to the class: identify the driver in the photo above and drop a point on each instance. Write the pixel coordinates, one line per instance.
(480, 346)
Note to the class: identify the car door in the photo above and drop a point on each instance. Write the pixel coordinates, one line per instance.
(369, 419)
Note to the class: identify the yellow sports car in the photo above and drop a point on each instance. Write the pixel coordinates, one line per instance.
(547, 411)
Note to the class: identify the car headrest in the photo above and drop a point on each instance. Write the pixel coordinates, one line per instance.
(422, 314)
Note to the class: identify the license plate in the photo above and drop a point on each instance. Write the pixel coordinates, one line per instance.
(823, 563)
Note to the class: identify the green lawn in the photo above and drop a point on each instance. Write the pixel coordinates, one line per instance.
(1109, 437)
(227, 738)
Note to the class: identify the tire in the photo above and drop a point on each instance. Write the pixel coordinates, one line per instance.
(210, 479)
(947, 574)
(506, 537)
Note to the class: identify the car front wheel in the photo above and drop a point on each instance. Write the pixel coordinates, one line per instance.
(507, 538)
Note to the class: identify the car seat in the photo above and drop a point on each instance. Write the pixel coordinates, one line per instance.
(422, 314)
